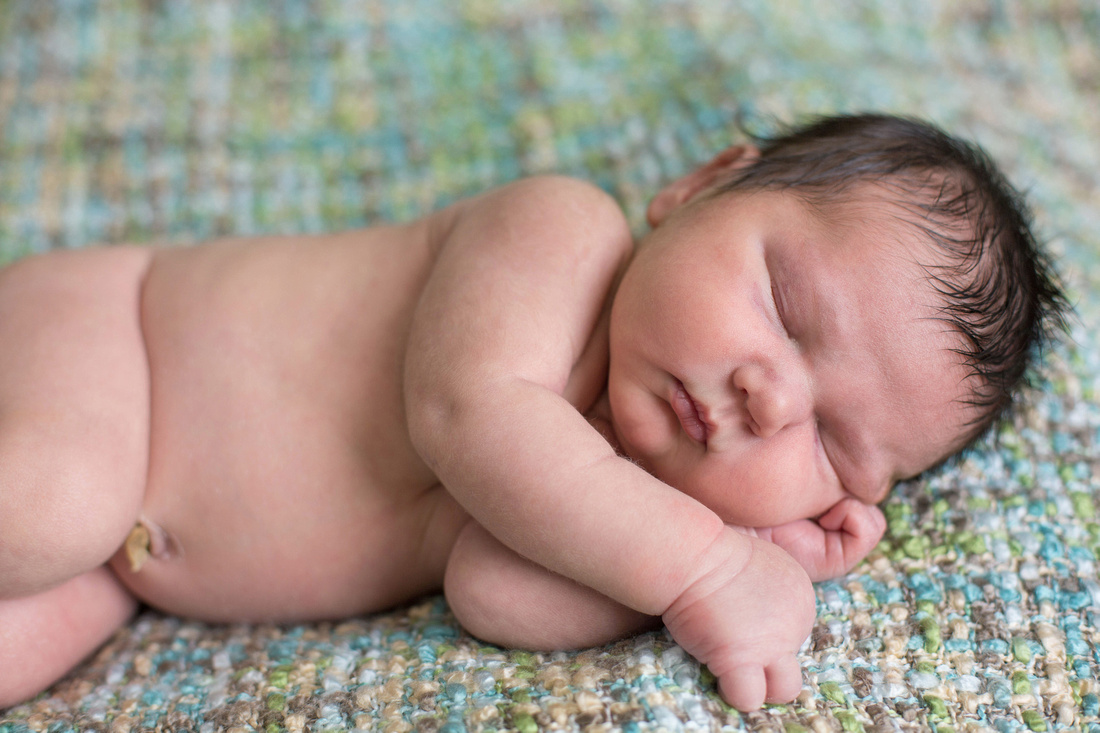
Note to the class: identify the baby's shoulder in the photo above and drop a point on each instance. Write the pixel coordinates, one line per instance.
(565, 213)
(562, 194)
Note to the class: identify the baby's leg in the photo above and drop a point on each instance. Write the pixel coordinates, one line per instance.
(74, 413)
(74, 424)
(503, 598)
(45, 635)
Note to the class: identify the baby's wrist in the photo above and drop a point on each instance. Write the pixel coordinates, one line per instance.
(718, 566)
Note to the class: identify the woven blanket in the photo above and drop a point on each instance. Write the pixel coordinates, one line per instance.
(180, 120)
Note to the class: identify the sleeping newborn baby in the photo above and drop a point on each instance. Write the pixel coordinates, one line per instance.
(573, 436)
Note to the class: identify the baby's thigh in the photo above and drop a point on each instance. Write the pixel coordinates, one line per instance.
(74, 412)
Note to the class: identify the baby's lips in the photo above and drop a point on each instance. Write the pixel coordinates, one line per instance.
(688, 413)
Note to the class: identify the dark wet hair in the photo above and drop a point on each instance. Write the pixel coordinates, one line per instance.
(999, 290)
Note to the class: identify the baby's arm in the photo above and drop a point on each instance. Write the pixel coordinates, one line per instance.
(511, 601)
(506, 599)
(516, 292)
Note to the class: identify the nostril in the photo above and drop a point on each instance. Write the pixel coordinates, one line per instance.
(752, 417)
(762, 432)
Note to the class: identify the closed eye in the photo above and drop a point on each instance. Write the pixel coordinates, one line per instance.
(777, 306)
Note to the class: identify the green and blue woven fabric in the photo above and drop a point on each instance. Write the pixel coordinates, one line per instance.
(180, 120)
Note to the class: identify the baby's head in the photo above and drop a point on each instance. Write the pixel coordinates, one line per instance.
(845, 306)
(999, 293)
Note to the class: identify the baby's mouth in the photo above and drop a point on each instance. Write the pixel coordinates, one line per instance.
(689, 414)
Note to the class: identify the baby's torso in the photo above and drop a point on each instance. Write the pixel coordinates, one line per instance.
(280, 467)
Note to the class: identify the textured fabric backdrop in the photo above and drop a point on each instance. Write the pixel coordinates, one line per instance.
(176, 120)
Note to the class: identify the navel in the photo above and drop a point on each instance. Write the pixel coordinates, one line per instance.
(148, 540)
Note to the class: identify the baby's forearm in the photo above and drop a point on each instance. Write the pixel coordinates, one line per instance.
(535, 474)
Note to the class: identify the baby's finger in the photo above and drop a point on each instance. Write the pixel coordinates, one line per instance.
(855, 518)
(851, 530)
(784, 680)
(744, 687)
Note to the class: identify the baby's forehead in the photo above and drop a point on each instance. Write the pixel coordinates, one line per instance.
(883, 203)
(901, 234)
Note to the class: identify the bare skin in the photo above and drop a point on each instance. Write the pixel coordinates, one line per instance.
(312, 428)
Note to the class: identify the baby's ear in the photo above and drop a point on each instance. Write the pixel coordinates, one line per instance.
(685, 188)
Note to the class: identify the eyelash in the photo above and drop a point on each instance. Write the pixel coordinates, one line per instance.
(779, 311)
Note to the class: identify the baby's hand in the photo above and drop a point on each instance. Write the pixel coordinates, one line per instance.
(834, 543)
(746, 619)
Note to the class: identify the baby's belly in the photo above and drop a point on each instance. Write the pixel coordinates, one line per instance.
(258, 562)
(280, 469)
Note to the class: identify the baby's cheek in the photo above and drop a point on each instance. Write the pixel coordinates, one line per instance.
(766, 488)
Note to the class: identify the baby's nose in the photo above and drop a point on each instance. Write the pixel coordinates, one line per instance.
(774, 399)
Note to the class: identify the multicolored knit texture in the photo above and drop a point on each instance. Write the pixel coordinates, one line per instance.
(180, 120)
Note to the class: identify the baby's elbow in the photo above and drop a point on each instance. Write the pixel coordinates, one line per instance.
(430, 416)
(484, 586)
(479, 608)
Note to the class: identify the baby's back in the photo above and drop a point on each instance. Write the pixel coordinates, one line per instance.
(280, 467)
